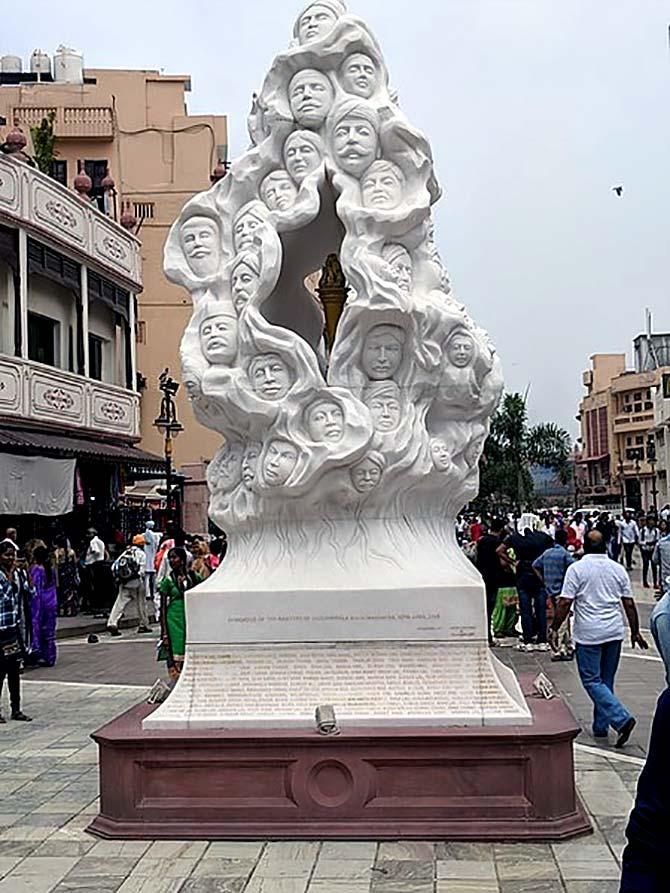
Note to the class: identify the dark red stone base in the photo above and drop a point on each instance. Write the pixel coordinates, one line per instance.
(502, 783)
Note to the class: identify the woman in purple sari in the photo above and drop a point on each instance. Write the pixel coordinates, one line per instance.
(45, 608)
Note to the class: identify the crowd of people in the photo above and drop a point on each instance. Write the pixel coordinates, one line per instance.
(146, 577)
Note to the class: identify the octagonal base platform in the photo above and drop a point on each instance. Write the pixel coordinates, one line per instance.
(489, 783)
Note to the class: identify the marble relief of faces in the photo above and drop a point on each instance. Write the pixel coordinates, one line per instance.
(246, 224)
(245, 277)
(383, 400)
(354, 136)
(281, 457)
(359, 75)
(439, 453)
(249, 463)
(225, 470)
(382, 186)
(382, 352)
(200, 242)
(303, 153)
(218, 337)
(317, 20)
(460, 349)
(269, 376)
(367, 474)
(278, 191)
(399, 260)
(475, 448)
(325, 421)
(311, 96)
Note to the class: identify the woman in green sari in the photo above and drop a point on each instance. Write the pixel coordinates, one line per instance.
(505, 612)
(172, 614)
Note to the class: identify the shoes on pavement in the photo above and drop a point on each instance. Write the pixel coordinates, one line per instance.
(114, 630)
(542, 646)
(19, 716)
(525, 646)
(144, 629)
(625, 732)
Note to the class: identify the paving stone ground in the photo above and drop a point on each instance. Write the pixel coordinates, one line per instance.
(49, 789)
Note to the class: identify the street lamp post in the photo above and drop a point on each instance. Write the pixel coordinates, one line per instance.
(169, 425)
(651, 459)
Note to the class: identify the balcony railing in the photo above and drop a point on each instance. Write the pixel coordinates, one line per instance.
(41, 393)
(71, 121)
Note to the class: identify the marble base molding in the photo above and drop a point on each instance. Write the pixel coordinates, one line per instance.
(486, 783)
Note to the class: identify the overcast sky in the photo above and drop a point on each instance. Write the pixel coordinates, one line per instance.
(534, 109)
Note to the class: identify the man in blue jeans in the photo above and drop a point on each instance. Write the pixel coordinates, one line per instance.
(599, 591)
(518, 554)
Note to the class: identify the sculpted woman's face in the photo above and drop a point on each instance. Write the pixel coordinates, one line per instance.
(315, 23)
(461, 349)
(269, 376)
(280, 460)
(325, 421)
(200, 242)
(300, 157)
(278, 191)
(218, 338)
(243, 284)
(382, 352)
(382, 186)
(365, 475)
(355, 144)
(359, 75)
(310, 96)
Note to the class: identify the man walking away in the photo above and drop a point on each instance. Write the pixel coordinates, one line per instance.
(551, 568)
(129, 569)
(649, 536)
(630, 534)
(11, 647)
(488, 564)
(645, 859)
(598, 588)
(532, 598)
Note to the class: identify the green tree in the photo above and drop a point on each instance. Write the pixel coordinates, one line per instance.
(44, 142)
(512, 448)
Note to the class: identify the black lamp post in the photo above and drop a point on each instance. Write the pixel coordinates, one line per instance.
(651, 459)
(169, 425)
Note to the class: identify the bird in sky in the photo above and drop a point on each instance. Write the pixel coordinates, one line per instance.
(618, 190)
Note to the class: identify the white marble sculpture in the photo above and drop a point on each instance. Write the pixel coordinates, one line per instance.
(337, 483)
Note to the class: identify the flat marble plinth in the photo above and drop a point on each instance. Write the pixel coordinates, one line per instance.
(486, 783)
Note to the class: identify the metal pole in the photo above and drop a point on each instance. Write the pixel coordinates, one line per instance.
(168, 474)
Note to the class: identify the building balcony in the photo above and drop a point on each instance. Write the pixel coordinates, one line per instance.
(32, 200)
(640, 421)
(37, 393)
(71, 122)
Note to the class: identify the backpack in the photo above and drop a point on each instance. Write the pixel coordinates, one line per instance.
(127, 568)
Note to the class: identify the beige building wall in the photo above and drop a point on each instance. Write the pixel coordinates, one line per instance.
(158, 156)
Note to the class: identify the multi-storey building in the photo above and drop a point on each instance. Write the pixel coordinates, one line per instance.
(69, 403)
(146, 156)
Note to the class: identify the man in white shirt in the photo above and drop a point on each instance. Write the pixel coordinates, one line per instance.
(151, 541)
(129, 569)
(94, 562)
(630, 535)
(599, 591)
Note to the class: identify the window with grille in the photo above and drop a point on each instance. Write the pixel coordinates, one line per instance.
(144, 210)
(58, 171)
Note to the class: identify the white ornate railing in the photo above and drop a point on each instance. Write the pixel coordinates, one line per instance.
(31, 198)
(37, 392)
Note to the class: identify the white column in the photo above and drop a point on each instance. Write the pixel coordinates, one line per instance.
(132, 338)
(23, 291)
(84, 315)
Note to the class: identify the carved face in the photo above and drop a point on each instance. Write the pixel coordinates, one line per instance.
(245, 229)
(315, 23)
(300, 156)
(228, 468)
(385, 412)
(278, 191)
(474, 449)
(249, 463)
(365, 475)
(460, 350)
(310, 96)
(355, 144)
(400, 262)
(200, 243)
(440, 455)
(280, 460)
(325, 421)
(269, 376)
(243, 284)
(382, 352)
(218, 338)
(382, 186)
(359, 75)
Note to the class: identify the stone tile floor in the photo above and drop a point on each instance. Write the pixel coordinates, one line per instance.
(48, 794)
